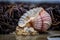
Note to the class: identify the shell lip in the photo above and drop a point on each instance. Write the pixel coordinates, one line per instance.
(38, 8)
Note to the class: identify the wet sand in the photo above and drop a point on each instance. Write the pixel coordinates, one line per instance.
(13, 36)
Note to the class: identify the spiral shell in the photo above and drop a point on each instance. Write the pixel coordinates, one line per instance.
(41, 20)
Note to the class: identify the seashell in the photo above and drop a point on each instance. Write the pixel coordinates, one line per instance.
(28, 16)
(41, 20)
(29, 29)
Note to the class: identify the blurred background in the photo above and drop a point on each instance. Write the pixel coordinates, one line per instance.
(8, 23)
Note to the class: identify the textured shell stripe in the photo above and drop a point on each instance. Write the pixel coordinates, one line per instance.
(41, 20)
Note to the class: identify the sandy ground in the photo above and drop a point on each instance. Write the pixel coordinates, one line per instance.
(13, 36)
